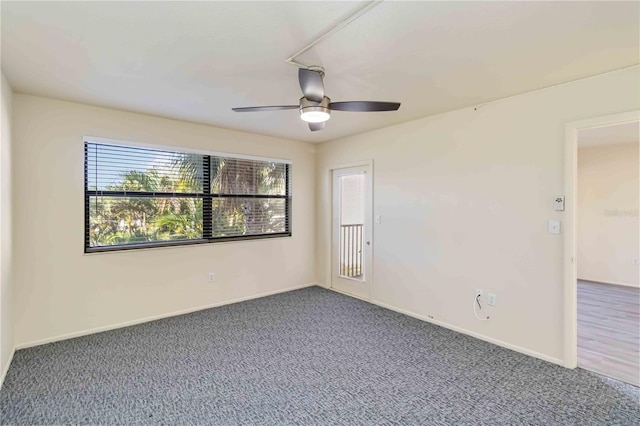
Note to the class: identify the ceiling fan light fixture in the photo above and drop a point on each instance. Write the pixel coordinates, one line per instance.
(315, 108)
(314, 116)
(315, 112)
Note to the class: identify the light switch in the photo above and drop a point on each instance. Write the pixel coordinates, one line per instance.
(378, 219)
(553, 227)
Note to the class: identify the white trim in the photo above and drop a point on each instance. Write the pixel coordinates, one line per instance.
(155, 317)
(361, 163)
(126, 143)
(329, 213)
(350, 295)
(570, 185)
(473, 334)
(6, 367)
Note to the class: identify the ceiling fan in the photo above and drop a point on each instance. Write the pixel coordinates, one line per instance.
(315, 108)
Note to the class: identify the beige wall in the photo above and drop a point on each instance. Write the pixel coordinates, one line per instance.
(60, 291)
(464, 199)
(607, 214)
(6, 250)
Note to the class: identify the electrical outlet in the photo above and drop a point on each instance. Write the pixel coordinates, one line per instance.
(491, 299)
(212, 277)
(635, 261)
(478, 292)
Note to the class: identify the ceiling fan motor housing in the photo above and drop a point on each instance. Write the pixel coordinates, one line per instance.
(315, 112)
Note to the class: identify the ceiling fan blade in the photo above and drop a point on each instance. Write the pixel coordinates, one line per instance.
(316, 126)
(364, 106)
(266, 108)
(311, 84)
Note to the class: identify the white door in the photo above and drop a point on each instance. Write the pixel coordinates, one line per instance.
(351, 231)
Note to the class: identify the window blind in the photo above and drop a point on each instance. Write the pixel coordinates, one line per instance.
(139, 197)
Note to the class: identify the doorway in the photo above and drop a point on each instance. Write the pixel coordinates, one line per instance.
(607, 232)
(602, 246)
(351, 260)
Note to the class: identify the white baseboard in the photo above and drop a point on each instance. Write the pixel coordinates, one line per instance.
(463, 331)
(474, 334)
(6, 367)
(270, 293)
(80, 333)
(349, 294)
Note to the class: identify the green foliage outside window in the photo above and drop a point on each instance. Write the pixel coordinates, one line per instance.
(141, 196)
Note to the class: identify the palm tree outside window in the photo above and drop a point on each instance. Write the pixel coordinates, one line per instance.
(138, 197)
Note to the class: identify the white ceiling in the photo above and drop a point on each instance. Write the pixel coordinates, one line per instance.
(610, 135)
(195, 60)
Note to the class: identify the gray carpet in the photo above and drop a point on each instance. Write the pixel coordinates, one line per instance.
(306, 357)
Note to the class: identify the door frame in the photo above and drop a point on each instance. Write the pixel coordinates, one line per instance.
(329, 248)
(570, 188)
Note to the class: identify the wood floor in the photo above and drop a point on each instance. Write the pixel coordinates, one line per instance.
(609, 330)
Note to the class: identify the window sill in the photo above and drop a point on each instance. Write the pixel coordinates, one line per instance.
(191, 243)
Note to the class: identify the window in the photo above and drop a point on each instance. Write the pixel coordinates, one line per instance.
(138, 197)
